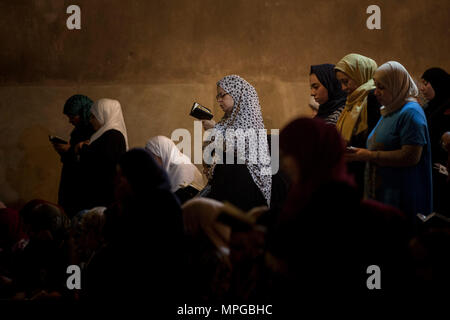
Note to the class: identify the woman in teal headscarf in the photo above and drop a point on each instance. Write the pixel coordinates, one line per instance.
(77, 109)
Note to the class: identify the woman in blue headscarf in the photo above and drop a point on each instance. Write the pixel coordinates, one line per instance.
(77, 109)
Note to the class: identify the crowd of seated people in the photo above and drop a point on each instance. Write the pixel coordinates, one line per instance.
(351, 183)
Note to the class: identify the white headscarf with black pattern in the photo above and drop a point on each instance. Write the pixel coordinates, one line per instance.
(246, 115)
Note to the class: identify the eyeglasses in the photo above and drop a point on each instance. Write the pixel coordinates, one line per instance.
(221, 95)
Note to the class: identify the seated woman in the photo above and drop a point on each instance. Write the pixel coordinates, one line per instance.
(99, 155)
(245, 185)
(362, 110)
(40, 267)
(77, 109)
(326, 90)
(435, 86)
(185, 179)
(144, 237)
(399, 151)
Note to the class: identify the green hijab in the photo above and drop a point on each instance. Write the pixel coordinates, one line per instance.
(79, 105)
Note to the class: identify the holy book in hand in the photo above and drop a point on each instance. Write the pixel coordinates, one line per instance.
(200, 112)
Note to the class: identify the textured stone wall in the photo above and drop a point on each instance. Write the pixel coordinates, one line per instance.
(157, 57)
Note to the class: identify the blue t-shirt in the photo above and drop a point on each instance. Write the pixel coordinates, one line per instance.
(407, 188)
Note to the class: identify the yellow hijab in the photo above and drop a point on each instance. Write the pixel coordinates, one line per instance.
(353, 119)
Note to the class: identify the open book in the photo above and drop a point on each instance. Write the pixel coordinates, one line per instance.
(200, 112)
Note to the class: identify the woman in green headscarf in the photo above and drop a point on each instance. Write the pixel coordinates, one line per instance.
(362, 110)
(77, 109)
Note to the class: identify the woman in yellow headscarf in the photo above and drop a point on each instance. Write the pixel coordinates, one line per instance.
(362, 110)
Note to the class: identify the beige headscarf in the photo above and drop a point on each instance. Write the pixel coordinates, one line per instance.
(395, 78)
(353, 119)
(200, 217)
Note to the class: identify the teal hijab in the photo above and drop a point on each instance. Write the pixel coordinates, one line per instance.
(79, 105)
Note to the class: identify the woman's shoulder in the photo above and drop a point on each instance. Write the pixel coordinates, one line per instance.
(412, 112)
(412, 108)
(111, 135)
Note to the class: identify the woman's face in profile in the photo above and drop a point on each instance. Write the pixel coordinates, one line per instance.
(348, 84)
(383, 95)
(318, 91)
(426, 89)
(225, 100)
(74, 120)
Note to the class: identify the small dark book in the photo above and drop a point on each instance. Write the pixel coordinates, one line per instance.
(200, 112)
(55, 139)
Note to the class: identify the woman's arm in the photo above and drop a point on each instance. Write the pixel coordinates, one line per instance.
(407, 156)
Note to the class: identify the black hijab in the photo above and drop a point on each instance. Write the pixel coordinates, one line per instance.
(440, 81)
(326, 74)
(438, 122)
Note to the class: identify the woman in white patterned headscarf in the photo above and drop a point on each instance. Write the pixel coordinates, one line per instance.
(178, 166)
(248, 184)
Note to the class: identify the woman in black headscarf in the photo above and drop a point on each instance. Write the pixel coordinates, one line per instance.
(77, 109)
(435, 87)
(327, 91)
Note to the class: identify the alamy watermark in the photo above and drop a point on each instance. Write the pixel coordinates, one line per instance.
(248, 146)
(73, 22)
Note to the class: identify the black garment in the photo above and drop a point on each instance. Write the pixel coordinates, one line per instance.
(142, 262)
(438, 117)
(98, 161)
(360, 141)
(234, 183)
(437, 112)
(186, 193)
(328, 245)
(326, 74)
(71, 183)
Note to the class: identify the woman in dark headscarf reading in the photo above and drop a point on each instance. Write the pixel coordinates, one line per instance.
(435, 87)
(327, 91)
(77, 109)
